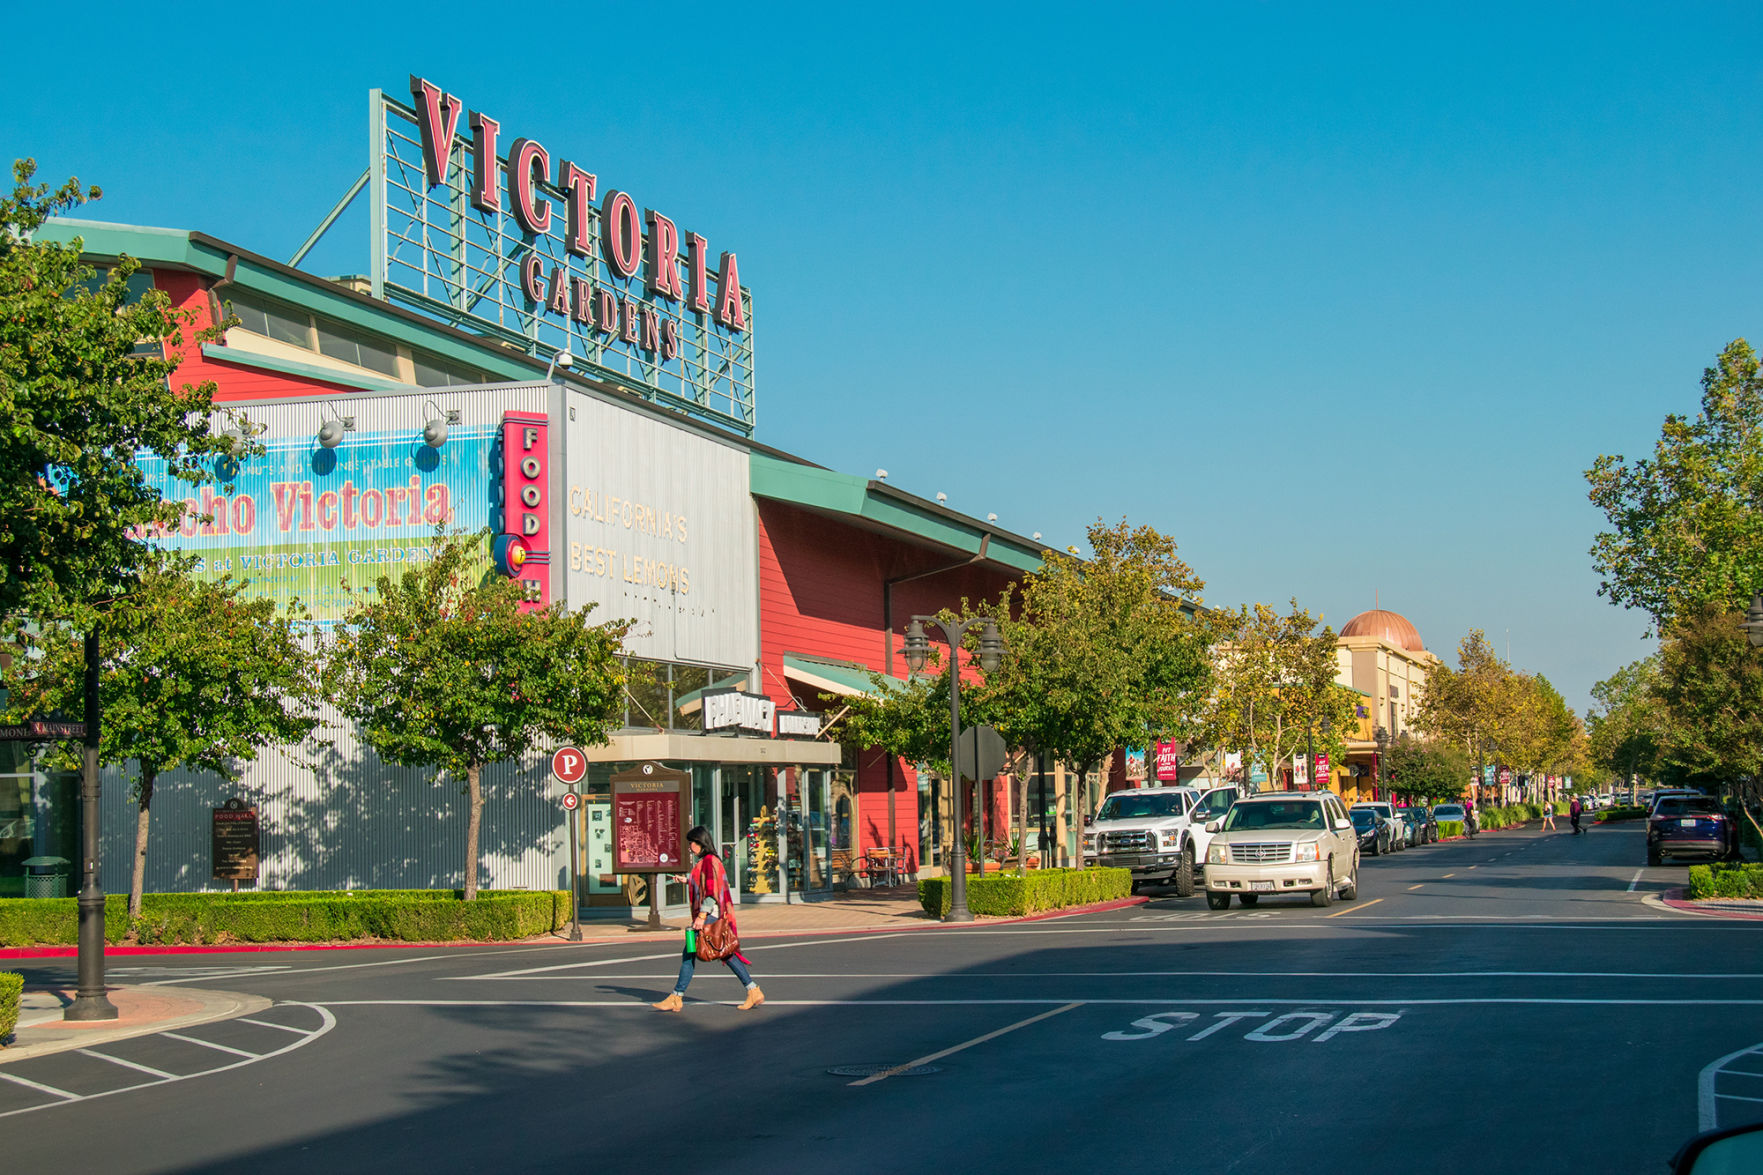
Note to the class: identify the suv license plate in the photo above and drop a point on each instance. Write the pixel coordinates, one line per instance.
(1261, 886)
(1687, 822)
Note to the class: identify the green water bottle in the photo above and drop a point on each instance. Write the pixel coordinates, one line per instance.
(691, 940)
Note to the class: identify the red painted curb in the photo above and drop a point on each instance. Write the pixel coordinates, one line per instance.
(1675, 899)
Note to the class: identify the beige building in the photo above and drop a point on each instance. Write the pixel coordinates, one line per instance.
(1379, 655)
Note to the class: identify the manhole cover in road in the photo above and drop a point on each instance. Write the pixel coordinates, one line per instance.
(872, 1070)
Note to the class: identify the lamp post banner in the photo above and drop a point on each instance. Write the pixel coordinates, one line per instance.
(302, 520)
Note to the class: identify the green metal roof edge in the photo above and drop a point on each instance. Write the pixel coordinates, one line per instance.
(205, 255)
(842, 493)
(243, 358)
(855, 676)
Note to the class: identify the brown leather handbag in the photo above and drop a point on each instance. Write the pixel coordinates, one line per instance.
(717, 940)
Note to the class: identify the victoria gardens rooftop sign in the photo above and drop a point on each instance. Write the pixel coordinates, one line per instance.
(494, 232)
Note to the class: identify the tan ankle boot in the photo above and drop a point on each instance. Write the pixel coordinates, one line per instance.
(755, 997)
(672, 1003)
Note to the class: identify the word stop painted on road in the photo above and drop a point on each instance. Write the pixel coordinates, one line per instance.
(1276, 1029)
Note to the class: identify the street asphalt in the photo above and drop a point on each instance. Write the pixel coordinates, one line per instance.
(1507, 1004)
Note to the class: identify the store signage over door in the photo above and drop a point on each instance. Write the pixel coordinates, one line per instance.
(738, 710)
(498, 230)
(798, 724)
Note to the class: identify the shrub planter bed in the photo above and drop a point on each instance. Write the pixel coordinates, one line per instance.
(1450, 829)
(1009, 896)
(296, 916)
(11, 987)
(1725, 881)
(1609, 815)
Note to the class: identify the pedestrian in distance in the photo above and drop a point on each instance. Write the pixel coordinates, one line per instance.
(1573, 810)
(707, 888)
(1549, 816)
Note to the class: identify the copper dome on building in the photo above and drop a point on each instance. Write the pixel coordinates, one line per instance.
(1390, 627)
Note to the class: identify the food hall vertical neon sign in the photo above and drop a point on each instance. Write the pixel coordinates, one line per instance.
(523, 551)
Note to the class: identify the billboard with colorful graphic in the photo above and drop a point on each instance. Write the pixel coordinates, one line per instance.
(307, 523)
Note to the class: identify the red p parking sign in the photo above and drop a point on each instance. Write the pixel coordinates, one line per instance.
(569, 765)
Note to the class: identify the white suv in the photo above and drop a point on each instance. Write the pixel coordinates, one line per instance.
(1283, 843)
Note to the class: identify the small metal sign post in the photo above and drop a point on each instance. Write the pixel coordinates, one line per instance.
(569, 766)
(649, 826)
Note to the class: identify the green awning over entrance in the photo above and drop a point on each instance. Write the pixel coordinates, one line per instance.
(843, 678)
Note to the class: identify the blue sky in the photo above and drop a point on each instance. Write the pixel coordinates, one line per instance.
(1346, 298)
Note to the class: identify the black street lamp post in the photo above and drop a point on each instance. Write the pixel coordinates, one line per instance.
(991, 653)
(1381, 737)
(90, 1001)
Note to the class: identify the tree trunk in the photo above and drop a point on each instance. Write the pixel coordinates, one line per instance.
(138, 878)
(474, 818)
(1080, 797)
(1021, 821)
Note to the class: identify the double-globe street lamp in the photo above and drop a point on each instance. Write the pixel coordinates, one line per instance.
(991, 654)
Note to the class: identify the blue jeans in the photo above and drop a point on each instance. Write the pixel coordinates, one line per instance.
(689, 961)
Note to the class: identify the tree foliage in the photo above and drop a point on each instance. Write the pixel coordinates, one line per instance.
(1274, 690)
(1627, 723)
(80, 398)
(1710, 688)
(1100, 652)
(1430, 771)
(444, 669)
(193, 676)
(1687, 523)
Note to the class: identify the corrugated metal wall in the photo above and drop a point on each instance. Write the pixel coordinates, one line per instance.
(336, 817)
(332, 815)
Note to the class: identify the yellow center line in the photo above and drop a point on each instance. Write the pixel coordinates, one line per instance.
(1475, 866)
(1450, 875)
(1350, 909)
(1416, 886)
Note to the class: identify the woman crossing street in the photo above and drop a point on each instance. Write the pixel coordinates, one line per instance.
(707, 888)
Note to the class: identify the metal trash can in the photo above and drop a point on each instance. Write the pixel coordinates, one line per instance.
(45, 877)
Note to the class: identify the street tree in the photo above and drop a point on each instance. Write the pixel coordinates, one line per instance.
(1274, 691)
(1626, 724)
(1710, 688)
(82, 397)
(1475, 703)
(1686, 525)
(193, 675)
(1428, 770)
(447, 669)
(1101, 653)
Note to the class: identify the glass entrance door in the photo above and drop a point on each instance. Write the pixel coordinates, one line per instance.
(749, 810)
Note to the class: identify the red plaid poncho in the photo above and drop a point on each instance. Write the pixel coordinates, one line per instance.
(709, 879)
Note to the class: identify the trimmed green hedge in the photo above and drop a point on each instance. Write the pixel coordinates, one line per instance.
(1627, 813)
(417, 915)
(1450, 828)
(1005, 895)
(1725, 881)
(11, 988)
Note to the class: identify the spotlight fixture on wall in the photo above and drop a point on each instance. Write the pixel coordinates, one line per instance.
(941, 496)
(561, 361)
(330, 431)
(434, 433)
(1037, 536)
(881, 475)
(991, 518)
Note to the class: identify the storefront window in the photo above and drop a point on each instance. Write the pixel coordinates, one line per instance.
(646, 693)
(930, 818)
(689, 683)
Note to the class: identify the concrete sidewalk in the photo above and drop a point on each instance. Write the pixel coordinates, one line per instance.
(865, 909)
(141, 1010)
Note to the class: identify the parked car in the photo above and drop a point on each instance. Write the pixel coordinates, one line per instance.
(1398, 827)
(1665, 793)
(1158, 833)
(1420, 818)
(1283, 843)
(1689, 826)
(1374, 831)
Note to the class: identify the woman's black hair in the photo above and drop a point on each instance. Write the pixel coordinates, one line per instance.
(701, 837)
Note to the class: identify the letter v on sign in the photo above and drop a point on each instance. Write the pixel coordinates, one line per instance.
(568, 765)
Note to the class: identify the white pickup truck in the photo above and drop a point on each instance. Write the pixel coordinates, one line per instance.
(1158, 832)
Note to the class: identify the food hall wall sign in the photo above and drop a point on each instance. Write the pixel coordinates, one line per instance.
(472, 221)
